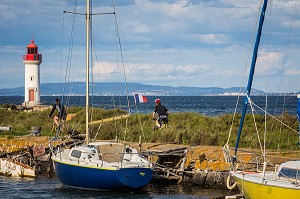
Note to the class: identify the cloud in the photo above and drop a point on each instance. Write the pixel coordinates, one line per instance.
(292, 72)
(173, 42)
(165, 74)
(269, 63)
(11, 49)
(213, 38)
(7, 14)
(149, 72)
(10, 70)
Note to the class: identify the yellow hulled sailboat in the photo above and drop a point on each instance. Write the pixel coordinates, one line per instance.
(280, 182)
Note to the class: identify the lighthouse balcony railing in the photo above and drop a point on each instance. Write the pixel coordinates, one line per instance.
(32, 57)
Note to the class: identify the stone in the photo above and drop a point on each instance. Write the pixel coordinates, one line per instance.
(199, 178)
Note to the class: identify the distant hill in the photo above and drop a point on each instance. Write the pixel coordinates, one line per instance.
(116, 88)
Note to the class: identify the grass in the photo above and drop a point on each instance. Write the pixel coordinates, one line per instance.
(186, 128)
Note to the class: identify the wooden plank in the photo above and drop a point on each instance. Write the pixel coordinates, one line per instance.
(109, 119)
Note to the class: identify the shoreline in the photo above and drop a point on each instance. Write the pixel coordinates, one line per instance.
(203, 165)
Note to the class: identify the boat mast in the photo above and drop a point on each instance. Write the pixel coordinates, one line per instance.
(251, 74)
(87, 139)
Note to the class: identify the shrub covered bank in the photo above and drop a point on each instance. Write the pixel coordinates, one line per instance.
(186, 128)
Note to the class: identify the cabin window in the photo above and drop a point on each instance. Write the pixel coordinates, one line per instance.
(76, 153)
(290, 173)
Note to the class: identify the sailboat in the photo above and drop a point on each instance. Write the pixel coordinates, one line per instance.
(101, 166)
(283, 182)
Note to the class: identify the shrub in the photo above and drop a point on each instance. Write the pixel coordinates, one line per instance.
(187, 128)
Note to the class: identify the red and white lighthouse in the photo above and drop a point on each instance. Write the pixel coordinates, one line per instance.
(32, 61)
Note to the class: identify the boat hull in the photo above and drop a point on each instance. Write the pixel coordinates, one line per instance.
(252, 190)
(15, 169)
(102, 179)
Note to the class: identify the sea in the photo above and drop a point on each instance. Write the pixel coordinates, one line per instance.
(206, 105)
(52, 188)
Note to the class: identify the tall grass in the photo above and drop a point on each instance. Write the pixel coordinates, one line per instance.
(186, 128)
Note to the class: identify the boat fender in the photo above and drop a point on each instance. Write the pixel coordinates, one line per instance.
(230, 187)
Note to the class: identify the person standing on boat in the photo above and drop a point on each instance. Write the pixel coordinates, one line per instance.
(162, 113)
(61, 111)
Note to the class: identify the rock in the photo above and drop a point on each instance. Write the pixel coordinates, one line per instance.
(38, 151)
(202, 157)
(211, 179)
(220, 181)
(199, 178)
(36, 130)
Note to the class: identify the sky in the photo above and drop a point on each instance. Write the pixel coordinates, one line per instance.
(198, 43)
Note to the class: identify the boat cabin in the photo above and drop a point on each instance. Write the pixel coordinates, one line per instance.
(290, 169)
(108, 152)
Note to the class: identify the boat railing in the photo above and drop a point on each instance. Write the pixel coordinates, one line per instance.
(297, 175)
(256, 165)
(247, 161)
(58, 145)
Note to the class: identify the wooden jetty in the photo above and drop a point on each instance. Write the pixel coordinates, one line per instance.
(169, 164)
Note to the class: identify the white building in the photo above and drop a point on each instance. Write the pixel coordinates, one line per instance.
(32, 61)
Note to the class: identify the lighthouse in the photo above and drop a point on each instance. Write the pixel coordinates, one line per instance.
(32, 61)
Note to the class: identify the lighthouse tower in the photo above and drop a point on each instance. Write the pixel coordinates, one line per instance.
(32, 61)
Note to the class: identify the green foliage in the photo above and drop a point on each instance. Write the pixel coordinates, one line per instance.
(186, 128)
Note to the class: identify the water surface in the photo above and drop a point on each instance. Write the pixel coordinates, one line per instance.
(206, 105)
(52, 188)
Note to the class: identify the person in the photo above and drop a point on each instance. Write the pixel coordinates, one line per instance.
(162, 113)
(61, 111)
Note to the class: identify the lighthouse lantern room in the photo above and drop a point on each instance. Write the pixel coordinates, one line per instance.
(32, 61)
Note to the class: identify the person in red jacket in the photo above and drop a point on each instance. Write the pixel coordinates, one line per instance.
(162, 113)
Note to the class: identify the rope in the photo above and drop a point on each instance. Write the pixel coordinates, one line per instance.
(291, 42)
(70, 54)
(69, 57)
(62, 39)
(122, 58)
(140, 121)
(68, 75)
(265, 130)
(256, 129)
(267, 81)
(230, 187)
(124, 71)
(243, 79)
(275, 118)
